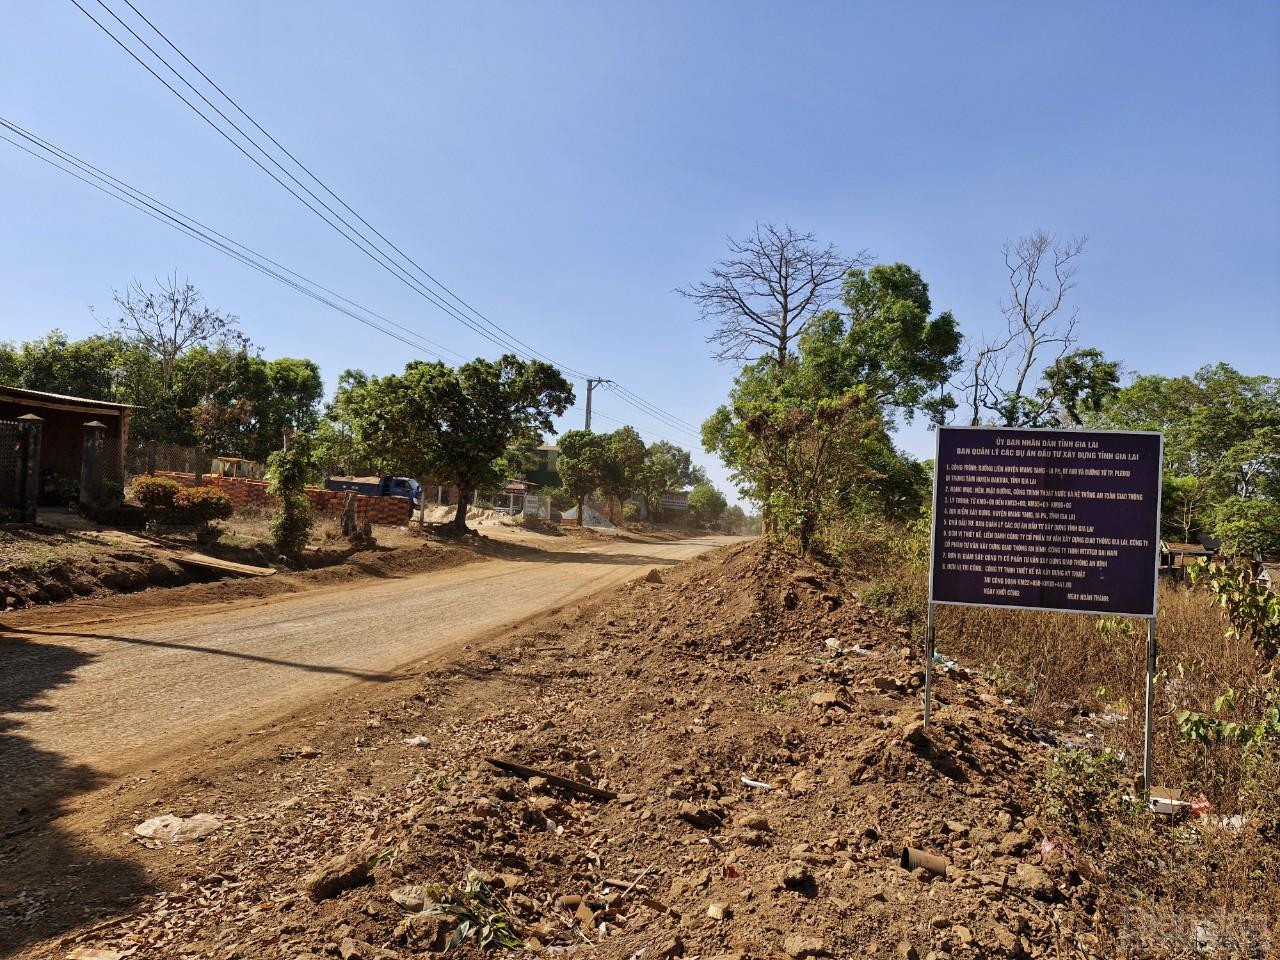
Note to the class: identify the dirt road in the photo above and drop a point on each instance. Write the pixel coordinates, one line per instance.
(106, 693)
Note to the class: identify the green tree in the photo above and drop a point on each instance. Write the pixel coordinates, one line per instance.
(666, 467)
(1221, 448)
(583, 456)
(707, 503)
(53, 363)
(453, 425)
(1182, 508)
(1247, 526)
(1215, 424)
(1076, 385)
(624, 463)
(885, 342)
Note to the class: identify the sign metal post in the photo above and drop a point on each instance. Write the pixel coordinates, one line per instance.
(928, 666)
(1147, 726)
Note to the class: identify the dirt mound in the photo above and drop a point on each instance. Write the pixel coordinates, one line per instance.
(760, 732)
(90, 574)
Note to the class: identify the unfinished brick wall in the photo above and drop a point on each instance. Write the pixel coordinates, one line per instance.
(388, 511)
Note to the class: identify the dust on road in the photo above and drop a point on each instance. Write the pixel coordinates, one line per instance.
(113, 692)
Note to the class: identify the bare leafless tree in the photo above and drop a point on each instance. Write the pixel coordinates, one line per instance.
(171, 319)
(766, 291)
(1038, 320)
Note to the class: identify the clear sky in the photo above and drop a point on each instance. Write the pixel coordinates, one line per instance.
(565, 166)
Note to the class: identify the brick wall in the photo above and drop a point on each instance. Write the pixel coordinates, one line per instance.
(389, 511)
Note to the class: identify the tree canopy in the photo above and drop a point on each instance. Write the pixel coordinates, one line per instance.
(455, 425)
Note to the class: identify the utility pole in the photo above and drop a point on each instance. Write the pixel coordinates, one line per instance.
(592, 383)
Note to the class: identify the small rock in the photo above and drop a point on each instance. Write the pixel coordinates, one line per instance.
(412, 898)
(179, 829)
(653, 576)
(907, 952)
(670, 947)
(796, 875)
(341, 873)
(699, 817)
(800, 946)
(1035, 881)
(718, 911)
(751, 821)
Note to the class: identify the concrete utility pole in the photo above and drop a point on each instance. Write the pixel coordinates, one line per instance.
(591, 385)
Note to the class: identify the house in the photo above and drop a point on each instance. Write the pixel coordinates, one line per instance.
(546, 474)
(675, 500)
(63, 422)
(1176, 557)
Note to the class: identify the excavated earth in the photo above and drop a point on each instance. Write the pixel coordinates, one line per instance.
(761, 731)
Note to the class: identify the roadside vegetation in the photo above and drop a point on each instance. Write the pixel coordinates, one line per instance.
(836, 351)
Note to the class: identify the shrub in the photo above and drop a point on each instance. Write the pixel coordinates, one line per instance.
(291, 523)
(203, 505)
(155, 493)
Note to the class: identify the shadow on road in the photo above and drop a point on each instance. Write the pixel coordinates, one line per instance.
(51, 881)
(34, 652)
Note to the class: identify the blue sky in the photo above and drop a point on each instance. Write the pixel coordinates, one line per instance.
(565, 166)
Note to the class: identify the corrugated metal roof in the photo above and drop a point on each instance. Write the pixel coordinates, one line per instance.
(45, 395)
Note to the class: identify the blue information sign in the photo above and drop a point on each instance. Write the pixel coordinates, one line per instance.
(1047, 519)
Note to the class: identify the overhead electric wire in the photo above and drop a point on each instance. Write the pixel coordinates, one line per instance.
(653, 413)
(642, 430)
(329, 190)
(351, 233)
(641, 401)
(363, 244)
(141, 195)
(173, 218)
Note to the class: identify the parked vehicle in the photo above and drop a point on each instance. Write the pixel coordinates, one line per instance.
(404, 487)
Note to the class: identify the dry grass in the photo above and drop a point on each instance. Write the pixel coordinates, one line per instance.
(1061, 666)
(1069, 671)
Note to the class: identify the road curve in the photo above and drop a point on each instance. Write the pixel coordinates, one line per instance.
(111, 694)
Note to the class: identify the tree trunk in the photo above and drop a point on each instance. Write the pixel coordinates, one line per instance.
(460, 516)
(582, 502)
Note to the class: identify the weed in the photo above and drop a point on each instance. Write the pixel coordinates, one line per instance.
(481, 918)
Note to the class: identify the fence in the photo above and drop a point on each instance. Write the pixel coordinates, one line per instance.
(10, 465)
(392, 511)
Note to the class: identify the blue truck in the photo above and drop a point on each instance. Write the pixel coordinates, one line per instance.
(404, 487)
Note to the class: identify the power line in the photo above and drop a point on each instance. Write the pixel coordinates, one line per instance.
(653, 413)
(359, 241)
(143, 196)
(351, 233)
(329, 190)
(642, 430)
(172, 218)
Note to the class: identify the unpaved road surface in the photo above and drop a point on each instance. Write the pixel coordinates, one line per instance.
(111, 691)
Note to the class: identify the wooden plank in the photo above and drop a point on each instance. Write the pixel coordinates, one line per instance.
(213, 563)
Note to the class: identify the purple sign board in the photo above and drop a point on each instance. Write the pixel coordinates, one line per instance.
(1047, 519)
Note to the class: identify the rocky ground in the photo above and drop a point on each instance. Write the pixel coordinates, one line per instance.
(746, 768)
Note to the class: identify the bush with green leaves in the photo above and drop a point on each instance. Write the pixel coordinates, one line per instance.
(203, 505)
(288, 471)
(156, 494)
(1081, 791)
(1252, 610)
